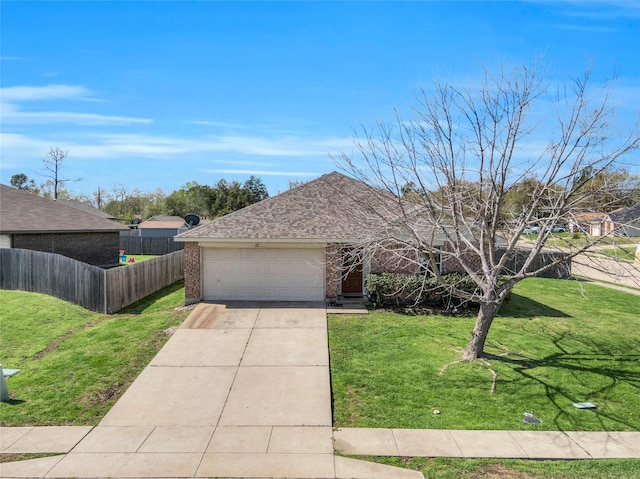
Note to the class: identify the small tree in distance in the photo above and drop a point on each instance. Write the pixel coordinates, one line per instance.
(52, 166)
(22, 182)
(454, 169)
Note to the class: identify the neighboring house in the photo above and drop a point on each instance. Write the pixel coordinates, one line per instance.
(28, 221)
(293, 246)
(581, 222)
(160, 227)
(621, 222)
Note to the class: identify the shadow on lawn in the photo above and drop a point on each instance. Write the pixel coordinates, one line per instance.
(523, 307)
(613, 369)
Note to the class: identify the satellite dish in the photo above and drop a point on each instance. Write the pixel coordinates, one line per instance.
(192, 220)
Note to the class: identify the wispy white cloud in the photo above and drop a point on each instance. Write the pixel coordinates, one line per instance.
(19, 151)
(104, 143)
(124, 145)
(601, 9)
(45, 117)
(217, 124)
(11, 99)
(277, 146)
(222, 171)
(48, 92)
(594, 9)
(585, 28)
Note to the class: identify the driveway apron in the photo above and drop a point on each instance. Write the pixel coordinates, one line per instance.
(240, 390)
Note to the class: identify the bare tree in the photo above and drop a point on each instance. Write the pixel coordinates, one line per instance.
(454, 164)
(295, 183)
(52, 165)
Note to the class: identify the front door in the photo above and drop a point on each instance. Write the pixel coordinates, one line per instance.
(352, 281)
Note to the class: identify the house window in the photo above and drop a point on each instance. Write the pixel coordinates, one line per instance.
(425, 262)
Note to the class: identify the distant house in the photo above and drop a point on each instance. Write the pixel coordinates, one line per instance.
(28, 221)
(161, 227)
(581, 222)
(621, 222)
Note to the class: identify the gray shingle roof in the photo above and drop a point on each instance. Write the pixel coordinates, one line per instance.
(22, 212)
(626, 215)
(333, 207)
(88, 208)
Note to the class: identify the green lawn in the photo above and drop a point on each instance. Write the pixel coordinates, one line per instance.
(621, 254)
(75, 363)
(581, 240)
(556, 342)
(582, 343)
(139, 257)
(444, 468)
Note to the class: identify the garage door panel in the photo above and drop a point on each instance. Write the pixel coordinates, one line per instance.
(263, 274)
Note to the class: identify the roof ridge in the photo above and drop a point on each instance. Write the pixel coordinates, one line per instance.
(278, 196)
(329, 206)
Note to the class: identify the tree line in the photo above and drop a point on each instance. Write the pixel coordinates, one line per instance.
(132, 204)
(604, 191)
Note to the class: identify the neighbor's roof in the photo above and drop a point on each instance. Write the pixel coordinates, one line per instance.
(88, 208)
(163, 222)
(625, 215)
(164, 219)
(22, 212)
(333, 207)
(587, 216)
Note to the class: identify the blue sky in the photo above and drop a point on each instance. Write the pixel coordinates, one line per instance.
(152, 95)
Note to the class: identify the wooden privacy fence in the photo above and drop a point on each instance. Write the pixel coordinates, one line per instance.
(127, 284)
(94, 288)
(157, 246)
(55, 275)
(559, 271)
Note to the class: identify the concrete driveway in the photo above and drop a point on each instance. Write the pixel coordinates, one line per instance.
(240, 390)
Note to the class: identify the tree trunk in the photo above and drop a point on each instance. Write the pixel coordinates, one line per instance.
(487, 313)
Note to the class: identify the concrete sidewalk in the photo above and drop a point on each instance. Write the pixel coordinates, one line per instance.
(487, 444)
(240, 390)
(243, 390)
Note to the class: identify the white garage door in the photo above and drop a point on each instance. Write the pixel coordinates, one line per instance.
(263, 274)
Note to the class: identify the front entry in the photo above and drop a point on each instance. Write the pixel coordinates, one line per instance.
(352, 281)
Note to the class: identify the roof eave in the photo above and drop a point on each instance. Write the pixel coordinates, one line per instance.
(25, 232)
(264, 240)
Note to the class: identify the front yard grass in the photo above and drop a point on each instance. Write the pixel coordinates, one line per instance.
(445, 468)
(75, 363)
(626, 254)
(137, 258)
(556, 342)
(582, 240)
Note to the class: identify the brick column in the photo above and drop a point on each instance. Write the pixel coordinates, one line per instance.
(332, 271)
(192, 275)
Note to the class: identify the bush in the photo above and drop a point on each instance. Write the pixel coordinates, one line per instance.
(397, 289)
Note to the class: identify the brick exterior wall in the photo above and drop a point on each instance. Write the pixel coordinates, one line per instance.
(98, 249)
(332, 271)
(450, 263)
(192, 273)
(395, 260)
